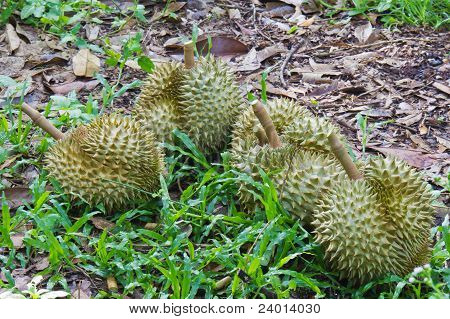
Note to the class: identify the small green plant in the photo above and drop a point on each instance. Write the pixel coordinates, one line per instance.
(32, 292)
(131, 49)
(434, 13)
(366, 129)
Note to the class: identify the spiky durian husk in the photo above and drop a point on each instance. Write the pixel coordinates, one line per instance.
(163, 82)
(393, 196)
(113, 160)
(203, 101)
(283, 113)
(210, 101)
(359, 242)
(311, 132)
(300, 178)
(157, 106)
(299, 171)
(161, 117)
(407, 200)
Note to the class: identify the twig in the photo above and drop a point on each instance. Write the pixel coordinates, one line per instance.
(341, 154)
(42, 122)
(189, 61)
(288, 58)
(267, 123)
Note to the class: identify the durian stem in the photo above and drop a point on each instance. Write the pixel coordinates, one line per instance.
(262, 137)
(189, 61)
(42, 122)
(341, 154)
(267, 123)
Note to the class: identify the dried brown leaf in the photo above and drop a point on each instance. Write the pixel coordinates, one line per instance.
(85, 63)
(410, 119)
(17, 196)
(102, 223)
(12, 38)
(442, 87)
(76, 86)
(363, 32)
(414, 158)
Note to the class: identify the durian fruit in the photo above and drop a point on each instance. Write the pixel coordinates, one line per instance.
(407, 200)
(202, 101)
(112, 160)
(301, 169)
(211, 101)
(378, 225)
(157, 106)
(358, 241)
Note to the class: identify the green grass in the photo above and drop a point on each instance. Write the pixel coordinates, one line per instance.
(434, 13)
(201, 238)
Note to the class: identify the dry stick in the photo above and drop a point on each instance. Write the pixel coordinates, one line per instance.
(189, 61)
(341, 154)
(42, 122)
(288, 58)
(267, 123)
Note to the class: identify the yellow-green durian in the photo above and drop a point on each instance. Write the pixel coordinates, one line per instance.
(203, 102)
(164, 81)
(311, 132)
(210, 101)
(356, 219)
(157, 106)
(407, 200)
(301, 170)
(112, 160)
(358, 240)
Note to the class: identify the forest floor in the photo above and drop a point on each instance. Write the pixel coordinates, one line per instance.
(386, 88)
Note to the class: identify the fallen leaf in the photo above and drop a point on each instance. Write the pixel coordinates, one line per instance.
(414, 158)
(17, 240)
(410, 119)
(278, 10)
(442, 87)
(81, 290)
(171, 8)
(92, 32)
(270, 51)
(42, 264)
(307, 22)
(102, 223)
(234, 14)
(422, 128)
(416, 139)
(21, 282)
(17, 196)
(12, 38)
(9, 161)
(76, 86)
(444, 142)
(85, 63)
(223, 46)
(324, 89)
(282, 26)
(250, 62)
(363, 32)
(277, 91)
(11, 65)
